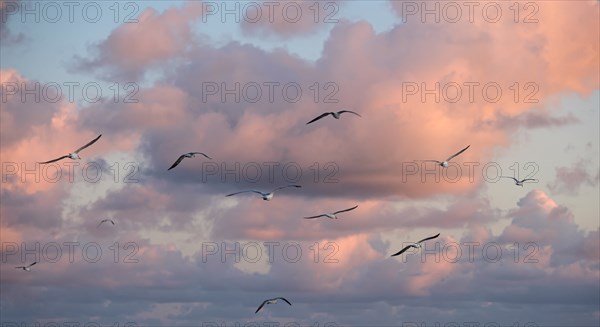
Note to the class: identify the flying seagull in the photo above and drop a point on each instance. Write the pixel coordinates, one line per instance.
(75, 154)
(520, 182)
(271, 301)
(187, 155)
(445, 163)
(105, 221)
(265, 196)
(28, 267)
(331, 215)
(415, 245)
(335, 115)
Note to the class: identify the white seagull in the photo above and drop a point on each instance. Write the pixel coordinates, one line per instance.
(265, 196)
(445, 162)
(520, 182)
(28, 268)
(331, 215)
(335, 115)
(75, 154)
(105, 221)
(415, 245)
(271, 301)
(187, 155)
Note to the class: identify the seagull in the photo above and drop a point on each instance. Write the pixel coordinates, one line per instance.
(331, 215)
(415, 245)
(271, 301)
(105, 221)
(520, 182)
(265, 196)
(28, 267)
(75, 154)
(445, 163)
(187, 155)
(335, 115)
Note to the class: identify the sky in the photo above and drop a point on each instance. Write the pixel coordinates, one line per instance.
(516, 82)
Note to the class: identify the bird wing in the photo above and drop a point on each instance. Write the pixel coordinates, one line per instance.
(335, 213)
(459, 152)
(432, 161)
(32, 264)
(177, 162)
(312, 217)
(352, 112)
(202, 154)
(282, 187)
(111, 221)
(429, 238)
(286, 301)
(91, 142)
(403, 250)
(514, 179)
(323, 115)
(529, 179)
(255, 191)
(261, 305)
(100, 223)
(57, 159)
(20, 267)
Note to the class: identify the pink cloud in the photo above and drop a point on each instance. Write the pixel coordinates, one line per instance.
(133, 47)
(570, 179)
(282, 218)
(36, 131)
(393, 130)
(429, 274)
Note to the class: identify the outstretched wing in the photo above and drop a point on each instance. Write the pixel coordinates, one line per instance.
(91, 142)
(201, 154)
(104, 221)
(261, 305)
(335, 213)
(529, 179)
(352, 112)
(57, 159)
(402, 251)
(282, 187)
(429, 238)
(177, 162)
(312, 217)
(255, 191)
(439, 162)
(286, 301)
(459, 152)
(32, 264)
(514, 179)
(323, 115)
